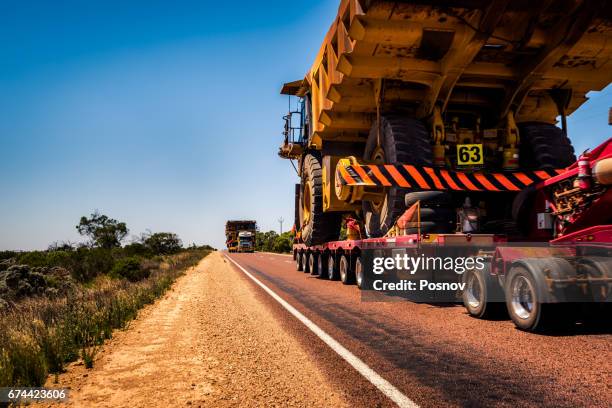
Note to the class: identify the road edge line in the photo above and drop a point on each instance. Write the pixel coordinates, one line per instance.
(362, 368)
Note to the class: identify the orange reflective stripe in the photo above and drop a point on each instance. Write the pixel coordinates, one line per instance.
(466, 182)
(435, 178)
(364, 177)
(486, 183)
(450, 180)
(505, 182)
(379, 175)
(523, 178)
(346, 176)
(399, 179)
(417, 176)
(542, 174)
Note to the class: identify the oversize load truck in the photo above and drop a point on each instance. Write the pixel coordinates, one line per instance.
(451, 104)
(240, 235)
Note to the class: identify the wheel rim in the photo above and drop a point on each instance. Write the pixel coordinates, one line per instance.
(358, 273)
(330, 268)
(320, 265)
(306, 204)
(311, 264)
(473, 291)
(522, 297)
(343, 269)
(378, 157)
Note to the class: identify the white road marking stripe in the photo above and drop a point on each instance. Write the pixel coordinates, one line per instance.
(362, 368)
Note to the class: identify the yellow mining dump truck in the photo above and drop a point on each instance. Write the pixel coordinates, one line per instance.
(446, 93)
(240, 235)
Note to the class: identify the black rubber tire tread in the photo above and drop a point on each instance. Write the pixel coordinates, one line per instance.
(404, 141)
(296, 200)
(437, 213)
(428, 199)
(544, 146)
(322, 227)
(547, 316)
(299, 264)
(314, 266)
(349, 276)
(492, 306)
(307, 263)
(333, 265)
(322, 265)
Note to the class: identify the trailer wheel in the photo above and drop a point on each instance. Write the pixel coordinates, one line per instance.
(300, 262)
(359, 273)
(307, 263)
(347, 274)
(524, 304)
(313, 263)
(322, 266)
(316, 226)
(544, 146)
(402, 141)
(332, 268)
(482, 295)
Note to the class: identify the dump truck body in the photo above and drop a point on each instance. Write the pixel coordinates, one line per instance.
(487, 57)
(240, 235)
(471, 87)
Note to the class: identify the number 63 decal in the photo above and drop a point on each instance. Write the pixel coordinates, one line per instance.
(469, 154)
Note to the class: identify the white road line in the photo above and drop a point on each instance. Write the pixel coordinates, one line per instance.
(362, 368)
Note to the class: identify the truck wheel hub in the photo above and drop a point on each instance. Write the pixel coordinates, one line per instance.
(522, 297)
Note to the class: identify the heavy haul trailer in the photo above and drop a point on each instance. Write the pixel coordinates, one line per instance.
(240, 235)
(432, 87)
(569, 211)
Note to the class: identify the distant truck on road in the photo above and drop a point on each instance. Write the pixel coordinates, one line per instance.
(240, 235)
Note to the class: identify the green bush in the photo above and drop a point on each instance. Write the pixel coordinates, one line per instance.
(130, 269)
(137, 249)
(40, 335)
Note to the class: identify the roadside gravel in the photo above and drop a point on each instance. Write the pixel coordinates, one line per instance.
(208, 342)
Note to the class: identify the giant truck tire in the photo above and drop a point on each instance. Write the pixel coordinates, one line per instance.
(317, 227)
(544, 146)
(402, 141)
(437, 213)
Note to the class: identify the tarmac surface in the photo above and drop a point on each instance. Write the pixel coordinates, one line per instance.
(436, 355)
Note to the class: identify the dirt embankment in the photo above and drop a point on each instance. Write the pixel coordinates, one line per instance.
(208, 342)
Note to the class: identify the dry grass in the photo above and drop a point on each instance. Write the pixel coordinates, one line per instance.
(38, 336)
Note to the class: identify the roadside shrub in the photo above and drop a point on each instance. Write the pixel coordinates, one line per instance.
(163, 243)
(40, 335)
(130, 269)
(137, 249)
(87, 263)
(7, 255)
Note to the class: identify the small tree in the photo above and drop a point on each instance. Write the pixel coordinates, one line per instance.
(104, 232)
(163, 243)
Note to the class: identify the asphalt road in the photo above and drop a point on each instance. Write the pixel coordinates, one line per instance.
(435, 355)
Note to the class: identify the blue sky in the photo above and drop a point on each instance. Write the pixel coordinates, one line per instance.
(165, 115)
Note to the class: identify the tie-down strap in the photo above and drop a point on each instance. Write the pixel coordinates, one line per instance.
(429, 178)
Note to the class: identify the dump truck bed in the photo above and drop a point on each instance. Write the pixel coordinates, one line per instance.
(531, 57)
